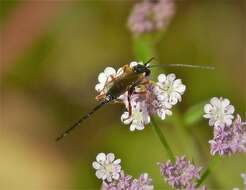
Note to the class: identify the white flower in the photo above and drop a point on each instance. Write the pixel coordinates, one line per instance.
(170, 89)
(107, 167)
(149, 101)
(107, 76)
(157, 104)
(138, 118)
(104, 77)
(163, 112)
(134, 63)
(219, 112)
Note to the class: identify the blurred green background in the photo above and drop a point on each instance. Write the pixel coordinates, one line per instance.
(51, 54)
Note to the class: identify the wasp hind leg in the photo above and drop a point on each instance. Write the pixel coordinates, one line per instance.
(100, 97)
(129, 104)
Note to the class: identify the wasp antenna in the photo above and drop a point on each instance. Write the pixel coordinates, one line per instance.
(146, 63)
(184, 65)
(77, 124)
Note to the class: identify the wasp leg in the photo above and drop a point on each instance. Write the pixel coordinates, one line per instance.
(100, 97)
(116, 101)
(130, 92)
(144, 82)
(143, 92)
(129, 104)
(112, 78)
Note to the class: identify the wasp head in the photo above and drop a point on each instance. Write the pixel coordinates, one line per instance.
(141, 69)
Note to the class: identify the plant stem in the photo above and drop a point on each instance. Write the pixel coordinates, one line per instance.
(203, 177)
(207, 171)
(163, 140)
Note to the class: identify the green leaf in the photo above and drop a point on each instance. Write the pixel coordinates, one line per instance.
(194, 114)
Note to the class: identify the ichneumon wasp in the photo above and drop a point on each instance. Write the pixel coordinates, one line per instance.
(129, 77)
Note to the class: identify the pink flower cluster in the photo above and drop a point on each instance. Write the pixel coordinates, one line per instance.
(182, 174)
(126, 182)
(229, 136)
(149, 16)
(229, 139)
(152, 98)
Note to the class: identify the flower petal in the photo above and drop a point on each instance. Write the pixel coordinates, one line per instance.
(207, 108)
(101, 157)
(96, 165)
(133, 127)
(133, 64)
(99, 87)
(177, 83)
(230, 109)
(180, 88)
(225, 102)
(215, 101)
(119, 72)
(109, 178)
(162, 78)
(171, 77)
(102, 78)
(100, 174)
(125, 118)
(109, 71)
(116, 176)
(110, 157)
(118, 161)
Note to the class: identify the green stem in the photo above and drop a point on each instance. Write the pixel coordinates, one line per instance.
(163, 140)
(206, 173)
(203, 177)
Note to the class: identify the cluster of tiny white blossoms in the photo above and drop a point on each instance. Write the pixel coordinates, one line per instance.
(229, 135)
(109, 170)
(150, 98)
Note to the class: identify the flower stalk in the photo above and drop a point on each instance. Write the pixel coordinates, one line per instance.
(208, 171)
(163, 140)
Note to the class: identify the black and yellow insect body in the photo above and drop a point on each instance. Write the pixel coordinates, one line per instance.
(129, 78)
(125, 82)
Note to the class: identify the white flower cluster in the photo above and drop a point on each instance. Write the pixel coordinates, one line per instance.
(109, 170)
(153, 98)
(105, 77)
(147, 99)
(219, 112)
(229, 136)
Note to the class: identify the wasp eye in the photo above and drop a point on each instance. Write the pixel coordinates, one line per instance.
(139, 68)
